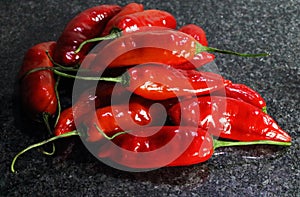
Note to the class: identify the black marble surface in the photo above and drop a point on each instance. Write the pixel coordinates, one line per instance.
(244, 25)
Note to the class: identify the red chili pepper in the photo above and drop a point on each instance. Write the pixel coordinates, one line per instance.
(115, 118)
(127, 10)
(38, 88)
(158, 82)
(86, 25)
(87, 102)
(196, 32)
(228, 118)
(184, 146)
(155, 45)
(244, 93)
(146, 18)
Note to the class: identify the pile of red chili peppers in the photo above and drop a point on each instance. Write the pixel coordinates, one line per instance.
(199, 105)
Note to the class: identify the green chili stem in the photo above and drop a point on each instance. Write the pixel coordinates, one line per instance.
(111, 79)
(106, 136)
(220, 143)
(58, 65)
(264, 109)
(58, 100)
(46, 122)
(200, 48)
(69, 134)
(98, 39)
(49, 153)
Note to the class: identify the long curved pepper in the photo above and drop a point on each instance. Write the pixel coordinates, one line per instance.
(144, 151)
(228, 118)
(159, 82)
(151, 45)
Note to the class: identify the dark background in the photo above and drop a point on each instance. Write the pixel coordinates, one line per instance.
(244, 25)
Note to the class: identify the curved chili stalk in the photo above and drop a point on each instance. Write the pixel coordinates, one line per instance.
(113, 35)
(69, 134)
(65, 135)
(123, 79)
(106, 136)
(59, 65)
(200, 48)
(220, 143)
(58, 100)
(46, 121)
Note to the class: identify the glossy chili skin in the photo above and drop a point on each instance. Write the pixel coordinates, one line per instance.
(228, 118)
(129, 147)
(156, 45)
(159, 82)
(126, 10)
(196, 32)
(38, 88)
(197, 61)
(86, 25)
(115, 118)
(146, 18)
(87, 101)
(245, 93)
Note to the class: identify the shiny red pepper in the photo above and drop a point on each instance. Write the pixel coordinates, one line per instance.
(126, 10)
(169, 146)
(146, 18)
(244, 93)
(157, 82)
(196, 32)
(115, 118)
(185, 146)
(86, 25)
(152, 44)
(228, 118)
(87, 102)
(156, 45)
(38, 88)
(160, 82)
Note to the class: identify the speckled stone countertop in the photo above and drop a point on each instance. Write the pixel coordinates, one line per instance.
(244, 25)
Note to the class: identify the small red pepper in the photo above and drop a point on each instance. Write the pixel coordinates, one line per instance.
(38, 88)
(169, 146)
(86, 25)
(228, 118)
(244, 93)
(87, 102)
(126, 10)
(196, 32)
(146, 18)
(115, 118)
